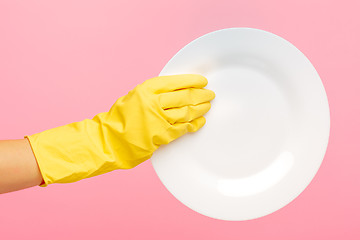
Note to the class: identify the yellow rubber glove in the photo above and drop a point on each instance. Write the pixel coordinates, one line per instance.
(155, 112)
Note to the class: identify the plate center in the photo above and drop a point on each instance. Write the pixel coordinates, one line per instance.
(248, 121)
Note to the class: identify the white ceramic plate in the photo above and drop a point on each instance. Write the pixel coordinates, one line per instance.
(266, 133)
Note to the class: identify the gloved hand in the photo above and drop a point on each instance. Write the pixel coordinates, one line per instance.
(155, 112)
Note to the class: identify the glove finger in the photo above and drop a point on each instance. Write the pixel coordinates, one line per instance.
(180, 129)
(174, 82)
(186, 113)
(189, 96)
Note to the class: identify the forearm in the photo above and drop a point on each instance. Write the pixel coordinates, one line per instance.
(18, 166)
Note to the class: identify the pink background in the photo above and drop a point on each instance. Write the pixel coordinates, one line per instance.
(64, 61)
